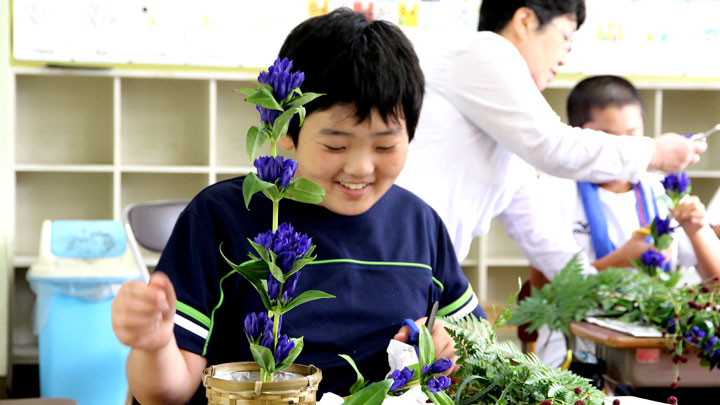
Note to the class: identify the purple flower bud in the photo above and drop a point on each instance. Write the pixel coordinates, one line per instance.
(273, 287)
(291, 284)
(662, 226)
(254, 324)
(676, 182)
(275, 169)
(437, 384)
(265, 240)
(278, 76)
(267, 339)
(284, 346)
(400, 378)
(286, 260)
(652, 258)
(425, 369)
(441, 365)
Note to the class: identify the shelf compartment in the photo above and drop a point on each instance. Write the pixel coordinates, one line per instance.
(64, 120)
(52, 195)
(164, 122)
(704, 188)
(500, 246)
(234, 118)
(691, 111)
(504, 281)
(138, 187)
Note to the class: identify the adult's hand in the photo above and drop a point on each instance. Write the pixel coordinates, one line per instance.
(442, 341)
(674, 152)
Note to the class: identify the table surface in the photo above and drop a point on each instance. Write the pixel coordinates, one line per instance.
(613, 338)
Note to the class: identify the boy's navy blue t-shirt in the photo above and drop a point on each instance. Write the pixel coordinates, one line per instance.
(381, 265)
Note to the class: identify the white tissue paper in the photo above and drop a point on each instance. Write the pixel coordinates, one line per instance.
(400, 355)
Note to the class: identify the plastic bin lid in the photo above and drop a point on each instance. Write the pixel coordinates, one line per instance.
(82, 252)
(87, 239)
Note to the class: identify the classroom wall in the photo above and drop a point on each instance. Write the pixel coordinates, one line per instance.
(5, 268)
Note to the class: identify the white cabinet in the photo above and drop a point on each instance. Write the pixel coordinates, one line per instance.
(677, 106)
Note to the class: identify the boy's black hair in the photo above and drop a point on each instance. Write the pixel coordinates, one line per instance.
(598, 92)
(496, 14)
(368, 64)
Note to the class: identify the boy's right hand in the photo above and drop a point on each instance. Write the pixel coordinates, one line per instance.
(635, 247)
(143, 314)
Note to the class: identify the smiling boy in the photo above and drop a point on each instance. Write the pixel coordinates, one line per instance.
(380, 250)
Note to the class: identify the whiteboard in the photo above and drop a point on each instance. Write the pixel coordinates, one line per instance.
(669, 38)
(222, 33)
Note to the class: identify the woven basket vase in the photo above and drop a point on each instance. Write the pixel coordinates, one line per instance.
(296, 391)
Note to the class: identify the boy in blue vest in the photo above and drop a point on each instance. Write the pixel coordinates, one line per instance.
(380, 250)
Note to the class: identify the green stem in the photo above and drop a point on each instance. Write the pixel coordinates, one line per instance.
(276, 209)
(273, 149)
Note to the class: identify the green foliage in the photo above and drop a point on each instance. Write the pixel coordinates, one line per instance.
(370, 395)
(494, 372)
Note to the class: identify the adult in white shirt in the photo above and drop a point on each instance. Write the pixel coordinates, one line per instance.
(485, 127)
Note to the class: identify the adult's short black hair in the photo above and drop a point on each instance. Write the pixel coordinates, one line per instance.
(354, 61)
(599, 92)
(496, 14)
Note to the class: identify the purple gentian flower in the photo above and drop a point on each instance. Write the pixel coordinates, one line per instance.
(273, 287)
(275, 169)
(671, 325)
(284, 346)
(437, 384)
(278, 76)
(265, 240)
(425, 369)
(676, 182)
(698, 332)
(441, 365)
(400, 378)
(267, 339)
(662, 226)
(710, 344)
(652, 258)
(255, 323)
(286, 260)
(290, 285)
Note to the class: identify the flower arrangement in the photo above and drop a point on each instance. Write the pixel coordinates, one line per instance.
(688, 316)
(427, 374)
(281, 252)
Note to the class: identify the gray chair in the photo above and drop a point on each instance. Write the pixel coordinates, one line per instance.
(149, 224)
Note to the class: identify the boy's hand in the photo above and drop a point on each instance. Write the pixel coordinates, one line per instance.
(143, 314)
(634, 247)
(691, 215)
(444, 344)
(674, 152)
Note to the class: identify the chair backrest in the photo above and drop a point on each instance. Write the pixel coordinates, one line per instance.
(153, 221)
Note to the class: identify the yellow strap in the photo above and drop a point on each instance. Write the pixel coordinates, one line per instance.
(568, 360)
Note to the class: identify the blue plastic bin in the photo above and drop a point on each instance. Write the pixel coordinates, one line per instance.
(80, 267)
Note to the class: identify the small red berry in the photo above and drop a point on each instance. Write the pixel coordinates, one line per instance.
(616, 402)
(579, 402)
(672, 400)
(577, 391)
(673, 385)
(545, 402)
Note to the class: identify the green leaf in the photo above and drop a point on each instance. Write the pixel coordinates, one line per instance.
(263, 357)
(254, 140)
(273, 193)
(663, 242)
(306, 296)
(264, 98)
(292, 355)
(282, 123)
(264, 254)
(372, 395)
(427, 348)
(439, 398)
(249, 92)
(251, 185)
(254, 272)
(265, 86)
(301, 115)
(304, 99)
(304, 191)
(276, 271)
(360, 382)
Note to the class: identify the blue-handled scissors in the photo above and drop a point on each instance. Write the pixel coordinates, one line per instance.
(414, 335)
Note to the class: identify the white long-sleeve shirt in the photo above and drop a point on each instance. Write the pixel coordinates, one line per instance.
(483, 129)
